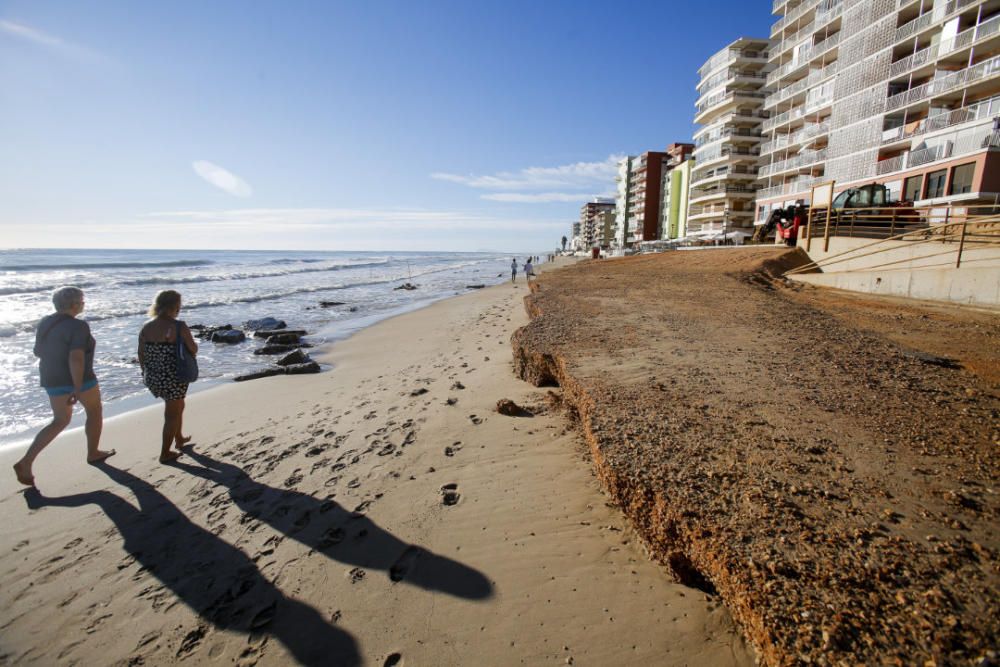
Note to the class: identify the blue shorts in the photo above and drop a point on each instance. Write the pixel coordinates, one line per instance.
(68, 389)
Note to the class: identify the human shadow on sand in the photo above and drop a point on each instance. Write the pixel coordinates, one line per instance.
(347, 537)
(215, 579)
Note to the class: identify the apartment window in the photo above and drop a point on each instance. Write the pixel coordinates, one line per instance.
(961, 178)
(911, 188)
(935, 184)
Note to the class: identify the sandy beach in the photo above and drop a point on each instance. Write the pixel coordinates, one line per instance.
(380, 513)
(826, 462)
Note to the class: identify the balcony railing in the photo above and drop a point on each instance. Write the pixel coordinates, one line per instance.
(782, 140)
(829, 10)
(909, 29)
(792, 187)
(801, 160)
(985, 109)
(814, 77)
(944, 84)
(793, 15)
(717, 100)
(729, 132)
(970, 35)
(973, 143)
(912, 61)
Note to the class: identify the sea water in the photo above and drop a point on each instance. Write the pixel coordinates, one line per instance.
(217, 288)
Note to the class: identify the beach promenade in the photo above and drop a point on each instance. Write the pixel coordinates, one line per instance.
(381, 513)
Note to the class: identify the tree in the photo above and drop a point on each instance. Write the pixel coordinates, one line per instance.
(564, 243)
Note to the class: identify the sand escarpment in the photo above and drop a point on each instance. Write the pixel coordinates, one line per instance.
(799, 453)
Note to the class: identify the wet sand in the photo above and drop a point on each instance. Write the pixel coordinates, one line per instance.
(381, 513)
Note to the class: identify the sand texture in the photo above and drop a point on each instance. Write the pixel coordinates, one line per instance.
(826, 462)
(381, 513)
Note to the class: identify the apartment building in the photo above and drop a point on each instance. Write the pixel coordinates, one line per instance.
(729, 111)
(899, 92)
(605, 234)
(637, 212)
(591, 220)
(639, 197)
(674, 191)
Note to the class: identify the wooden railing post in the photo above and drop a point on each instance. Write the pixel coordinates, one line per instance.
(892, 225)
(961, 244)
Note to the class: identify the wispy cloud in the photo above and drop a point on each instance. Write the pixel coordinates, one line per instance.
(579, 175)
(34, 35)
(348, 218)
(533, 198)
(564, 183)
(222, 178)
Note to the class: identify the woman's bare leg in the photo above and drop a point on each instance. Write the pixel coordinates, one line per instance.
(62, 414)
(180, 439)
(172, 410)
(91, 401)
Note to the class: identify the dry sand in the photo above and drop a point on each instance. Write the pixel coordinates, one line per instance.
(829, 463)
(313, 525)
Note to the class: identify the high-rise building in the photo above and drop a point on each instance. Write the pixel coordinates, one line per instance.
(590, 220)
(606, 227)
(899, 92)
(729, 111)
(639, 200)
(674, 191)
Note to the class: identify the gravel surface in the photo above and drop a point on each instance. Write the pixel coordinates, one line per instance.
(827, 463)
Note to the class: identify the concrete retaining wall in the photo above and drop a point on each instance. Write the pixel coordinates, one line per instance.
(918, 271)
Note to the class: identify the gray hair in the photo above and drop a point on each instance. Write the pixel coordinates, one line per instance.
(64, 297)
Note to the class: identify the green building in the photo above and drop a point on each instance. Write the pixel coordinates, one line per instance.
(674, 209)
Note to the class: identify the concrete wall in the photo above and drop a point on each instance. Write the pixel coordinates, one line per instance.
(906, 269)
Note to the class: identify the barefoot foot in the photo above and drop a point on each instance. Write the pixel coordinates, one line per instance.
(169, 457)
(100, 456)
(24, 475)
(181, 443)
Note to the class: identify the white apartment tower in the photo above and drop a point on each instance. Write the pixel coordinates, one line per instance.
(899, 92)
(727, 143)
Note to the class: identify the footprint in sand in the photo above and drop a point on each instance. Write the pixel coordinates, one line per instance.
(332, 537)
(354, 483)
(356, 575)
(475, 420)
(404, 563)
(450, 494)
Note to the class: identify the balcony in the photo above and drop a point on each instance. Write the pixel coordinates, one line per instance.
(800, 161)
(910, 29)
(827, 12)
(973, 143)
(985, 109)
(941, 85)
(792, 187)
(799, 86)
(783, 140)
(744, 132)
(723, 192)
(919, 58)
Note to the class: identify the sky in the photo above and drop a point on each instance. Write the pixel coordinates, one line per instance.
(434, 125)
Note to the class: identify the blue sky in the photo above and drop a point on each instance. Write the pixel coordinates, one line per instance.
(337, 125)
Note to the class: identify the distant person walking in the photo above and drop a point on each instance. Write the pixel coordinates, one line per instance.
(158, 359)
(529, 271)
(65, 350)
(513, 270)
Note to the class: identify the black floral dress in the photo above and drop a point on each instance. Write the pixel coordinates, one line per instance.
(160, 371)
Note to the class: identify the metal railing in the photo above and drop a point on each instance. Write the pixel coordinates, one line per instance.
(987, 68)
(956, 228)
(980, 110)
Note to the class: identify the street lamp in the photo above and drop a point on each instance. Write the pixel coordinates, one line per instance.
(725, 225)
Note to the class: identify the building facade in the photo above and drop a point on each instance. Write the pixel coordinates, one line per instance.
(637, 204)
(899, 92)
(729, 111)
(675, 190)
(592, 220)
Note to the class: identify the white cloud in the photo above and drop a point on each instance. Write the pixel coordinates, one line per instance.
(305, 219)
(579, 175)
(222, 178)
(533, 198)
(36, 36)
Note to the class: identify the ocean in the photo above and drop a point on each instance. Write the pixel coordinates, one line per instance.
(217, 288)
